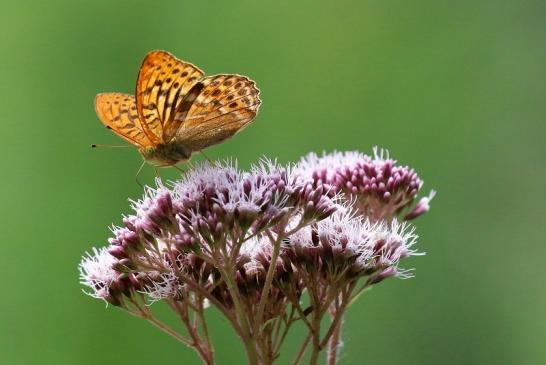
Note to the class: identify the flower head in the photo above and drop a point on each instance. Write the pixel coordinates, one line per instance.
(98, 274)
(211, 212)
(346, 246)
(211, 201)
(380, 187)
(162, 286)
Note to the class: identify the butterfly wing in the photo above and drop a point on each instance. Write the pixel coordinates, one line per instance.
(118, 112)
(224, 105)
(162, 83)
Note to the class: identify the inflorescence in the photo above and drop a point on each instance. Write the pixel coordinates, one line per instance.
(268, 247)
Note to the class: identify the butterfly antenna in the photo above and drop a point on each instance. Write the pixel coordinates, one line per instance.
(109, 146)
(138, 172)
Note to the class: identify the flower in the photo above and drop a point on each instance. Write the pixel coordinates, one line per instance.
(218, 203)
(267, 247)
(211, 212)
(389, 243)
(97, 273)
(345, 246)
(422, 207)
(380, 187)
(162, 286)
(256, 258)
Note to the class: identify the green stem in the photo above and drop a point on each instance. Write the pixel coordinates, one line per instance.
(202, 350)
(333, 345)
(246, 335)
(287, 325)
(204, 327)
(163, 327)
(302, 349)
(145, 313)
(341, 300)
(315, 333)
(268, 280)
(199, 289)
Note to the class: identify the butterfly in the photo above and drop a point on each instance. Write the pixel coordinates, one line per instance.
(177, 110)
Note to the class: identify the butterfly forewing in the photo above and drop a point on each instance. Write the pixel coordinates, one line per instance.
(225, 105)
(118, 112)
(162, 83)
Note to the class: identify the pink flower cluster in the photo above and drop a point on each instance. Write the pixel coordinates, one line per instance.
(254, 243)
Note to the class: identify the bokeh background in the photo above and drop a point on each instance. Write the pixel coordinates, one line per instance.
(455, 89)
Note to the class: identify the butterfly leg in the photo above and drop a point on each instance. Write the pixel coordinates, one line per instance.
(179, 169)
(157, 175)
(138, 172)
(206, 157)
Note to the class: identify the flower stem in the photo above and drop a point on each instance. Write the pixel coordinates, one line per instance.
(163, 327)
(204, 327)
(268, 280)
(333, 344)
(302, 349)
(315, 333)
(202, 349)
(246, 335)
(199, 289)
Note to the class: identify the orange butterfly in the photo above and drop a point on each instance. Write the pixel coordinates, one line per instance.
(177, 110)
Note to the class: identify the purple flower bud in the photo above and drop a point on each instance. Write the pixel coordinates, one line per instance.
(421, 208)
(161, 210)
(247, 186)
(129, 223)
(115, 300)
(148, 226)
(119, 267)
(377, 278)
(117, 251)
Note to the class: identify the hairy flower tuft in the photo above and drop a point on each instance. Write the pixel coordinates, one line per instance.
(345, 246)
(162, 286)
(97, 273)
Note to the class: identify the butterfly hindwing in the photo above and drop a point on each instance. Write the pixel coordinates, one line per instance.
(224, 106)
(118, 112)
(162, 83)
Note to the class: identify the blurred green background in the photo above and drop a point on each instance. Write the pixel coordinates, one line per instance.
(455, 89)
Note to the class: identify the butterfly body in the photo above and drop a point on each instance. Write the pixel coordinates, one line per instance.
(176, 110)
(164, 155)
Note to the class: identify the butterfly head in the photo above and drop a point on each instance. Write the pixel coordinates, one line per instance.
(168, 154)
